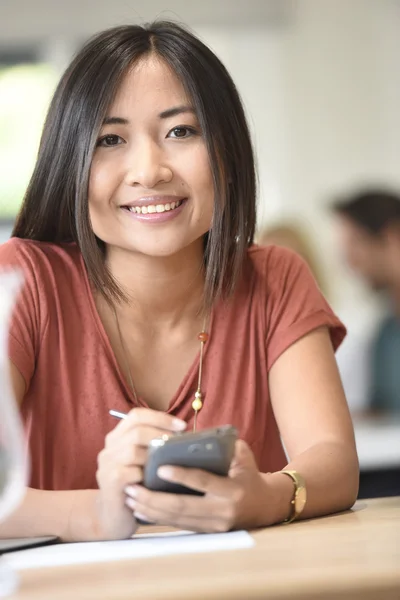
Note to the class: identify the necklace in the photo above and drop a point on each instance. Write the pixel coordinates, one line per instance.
(197, 403)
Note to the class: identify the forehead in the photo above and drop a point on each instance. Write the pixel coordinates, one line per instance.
(353, 232)
(150, 86)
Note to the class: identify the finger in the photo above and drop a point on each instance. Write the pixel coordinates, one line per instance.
(152, 418)
(197, 479)
(197, 523)
(131, 454)
(140, 435)
(243, 458)
(118, 476)
(162, 503)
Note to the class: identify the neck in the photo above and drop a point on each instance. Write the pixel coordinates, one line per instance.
(161, 290)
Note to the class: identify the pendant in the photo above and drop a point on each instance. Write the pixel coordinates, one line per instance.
(197, 403)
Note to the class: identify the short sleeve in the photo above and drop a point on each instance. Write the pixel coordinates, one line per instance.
(295, 304)
(27, 320)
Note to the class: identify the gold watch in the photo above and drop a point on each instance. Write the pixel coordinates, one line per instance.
(299, 499)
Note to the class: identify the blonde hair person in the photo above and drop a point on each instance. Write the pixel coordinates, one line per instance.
(294, 236)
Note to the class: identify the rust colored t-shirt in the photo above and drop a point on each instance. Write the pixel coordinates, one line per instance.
(58, 343)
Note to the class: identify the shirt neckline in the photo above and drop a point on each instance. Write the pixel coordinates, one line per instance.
(189, 378)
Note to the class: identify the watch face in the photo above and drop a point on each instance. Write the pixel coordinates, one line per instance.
(301, 498)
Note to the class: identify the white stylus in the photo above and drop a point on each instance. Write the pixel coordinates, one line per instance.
(117, 414)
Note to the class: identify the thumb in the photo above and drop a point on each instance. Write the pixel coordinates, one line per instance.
(243, 459)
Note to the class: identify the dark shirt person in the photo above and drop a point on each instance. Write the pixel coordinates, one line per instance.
(369, 229)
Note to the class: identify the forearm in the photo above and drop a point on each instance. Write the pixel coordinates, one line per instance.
(331, 473)
(71, 515)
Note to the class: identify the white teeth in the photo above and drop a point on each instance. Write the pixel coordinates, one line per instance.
(154, 208)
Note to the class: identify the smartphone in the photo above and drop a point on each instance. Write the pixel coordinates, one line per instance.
(210, 450)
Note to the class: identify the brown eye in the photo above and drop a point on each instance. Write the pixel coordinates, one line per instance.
(181, 132)
(109, 140)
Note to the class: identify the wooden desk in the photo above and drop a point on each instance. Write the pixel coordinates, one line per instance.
(353, 555)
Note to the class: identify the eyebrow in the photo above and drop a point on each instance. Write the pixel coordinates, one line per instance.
(166, 114)
(115, 121)
(176, 110)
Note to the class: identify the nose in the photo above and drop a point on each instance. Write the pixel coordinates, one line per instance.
(147, 166)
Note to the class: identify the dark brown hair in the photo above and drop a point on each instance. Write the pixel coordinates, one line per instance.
(373, 209)
(55, 207)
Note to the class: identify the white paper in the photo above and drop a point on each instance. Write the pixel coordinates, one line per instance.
(141, 546)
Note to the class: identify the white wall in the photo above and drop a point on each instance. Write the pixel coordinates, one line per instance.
(342, 97)
(323, 94)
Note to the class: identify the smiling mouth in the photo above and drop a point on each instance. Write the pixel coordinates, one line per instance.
(153, 208)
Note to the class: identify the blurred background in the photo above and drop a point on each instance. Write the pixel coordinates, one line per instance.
(321, 85)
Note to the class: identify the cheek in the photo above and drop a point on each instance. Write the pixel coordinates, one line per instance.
(102, 182)
(95, 184)
(197, 167)
(200, 177)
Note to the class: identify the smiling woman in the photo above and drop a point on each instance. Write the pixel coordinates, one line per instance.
(144, 293)
(142, 148)
(201, 79)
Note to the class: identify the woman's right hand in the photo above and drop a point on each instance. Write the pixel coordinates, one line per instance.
(121, 463)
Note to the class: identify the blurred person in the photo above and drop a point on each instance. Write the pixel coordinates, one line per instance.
(136, 241)
(294, 235)
(369, 237)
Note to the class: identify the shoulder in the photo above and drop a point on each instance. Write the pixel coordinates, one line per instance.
(275, 265)
(23, 253)
(45, 267)
(293, 303)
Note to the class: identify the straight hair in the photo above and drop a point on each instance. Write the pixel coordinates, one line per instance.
(55, 207)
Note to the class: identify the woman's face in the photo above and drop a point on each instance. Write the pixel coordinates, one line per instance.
(151, 188)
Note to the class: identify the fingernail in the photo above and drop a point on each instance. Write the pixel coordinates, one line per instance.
(179, 425)
(138, 515)
(131, 491)
(130, 502)
(165, 472)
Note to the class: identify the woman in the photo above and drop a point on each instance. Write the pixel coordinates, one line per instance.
(134, 236)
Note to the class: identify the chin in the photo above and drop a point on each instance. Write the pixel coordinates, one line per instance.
(164, 250)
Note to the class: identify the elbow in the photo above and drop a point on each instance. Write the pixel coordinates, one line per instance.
(350, 490)
(352, 493)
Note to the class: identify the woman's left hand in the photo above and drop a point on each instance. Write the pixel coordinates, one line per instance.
(239, 501)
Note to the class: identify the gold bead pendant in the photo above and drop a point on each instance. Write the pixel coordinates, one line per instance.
(197, 403)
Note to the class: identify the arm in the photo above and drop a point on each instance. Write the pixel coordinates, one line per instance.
(49, 513)
(314, 421)
(85, 515)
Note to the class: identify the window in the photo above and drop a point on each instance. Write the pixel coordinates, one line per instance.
(26, 87)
